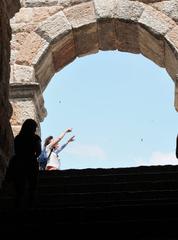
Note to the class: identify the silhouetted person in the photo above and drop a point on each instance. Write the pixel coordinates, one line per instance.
(25, 166)
(177, 147)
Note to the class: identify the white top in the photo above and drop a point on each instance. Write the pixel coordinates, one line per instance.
(54, 160)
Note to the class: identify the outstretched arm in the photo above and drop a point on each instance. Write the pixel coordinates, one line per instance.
(64, 145)
(71, 139)
(58, 139)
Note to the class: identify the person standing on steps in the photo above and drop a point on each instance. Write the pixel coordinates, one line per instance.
(24, 165)
(177, 146)
(53, 149)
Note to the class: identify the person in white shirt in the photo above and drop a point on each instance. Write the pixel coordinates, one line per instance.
(53, 149)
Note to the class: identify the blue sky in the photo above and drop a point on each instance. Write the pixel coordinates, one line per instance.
(121, 108)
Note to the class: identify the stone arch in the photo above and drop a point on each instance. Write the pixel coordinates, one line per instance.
(74, 28)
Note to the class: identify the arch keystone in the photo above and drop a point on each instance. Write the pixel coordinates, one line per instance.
(83, 20)
(105, 11)
(126, 25)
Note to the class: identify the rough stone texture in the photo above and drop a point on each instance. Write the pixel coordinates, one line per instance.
(23, 74)
(41, 3)
(170, 8)
(31, 47)
(26, 106)
(31, 103)
(171, 54)
(149, 1)
(45, 69)
(176, 93)
(7, 10)
(54, 28)
(49, 34)
(151, 47)
(83, 20)
(63, 52)
(156, 22)
(105, 12)
(153, 27)
(128, 15)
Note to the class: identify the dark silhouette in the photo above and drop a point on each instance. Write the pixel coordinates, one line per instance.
(23, 166)
(177, 147)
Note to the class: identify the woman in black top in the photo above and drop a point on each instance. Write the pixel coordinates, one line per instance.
(25, 165)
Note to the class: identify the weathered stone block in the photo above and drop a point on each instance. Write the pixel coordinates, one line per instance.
(86, 40)
(22, 109)
(63, 52)
(151, 47)
(105, 9)
(171, 52)
(42, 13)
(170, 8)
(32, 48)
(156, 22)
(83, 20)
(129, 11)
(153, 26)
(80, 15)
(127, 37)
(148, 1)
(107, 34)
(39, 3)
(105, 12)
(23, 74)
(44, 69)
(25, 15)
(54, 28)
(126, 25)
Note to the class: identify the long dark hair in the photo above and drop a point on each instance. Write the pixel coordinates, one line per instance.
(28, 127)
(47, 140)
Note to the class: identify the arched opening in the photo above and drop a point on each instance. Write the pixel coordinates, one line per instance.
(81, 29)
(120, 106)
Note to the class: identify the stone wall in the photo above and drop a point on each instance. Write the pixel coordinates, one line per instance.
(49, 34)
(7, 10)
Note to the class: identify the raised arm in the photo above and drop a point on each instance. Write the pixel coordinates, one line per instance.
(64, 145)
(58, 139)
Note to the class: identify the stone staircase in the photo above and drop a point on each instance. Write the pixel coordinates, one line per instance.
(143, 200)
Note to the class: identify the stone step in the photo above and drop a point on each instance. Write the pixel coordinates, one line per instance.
(161, 184)
(107, 176)
(95, 214)
(112, 171)
(85, 198)
(109, 187)
(136, 199)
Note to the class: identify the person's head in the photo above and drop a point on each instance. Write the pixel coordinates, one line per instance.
(28, 127)
(48, 140)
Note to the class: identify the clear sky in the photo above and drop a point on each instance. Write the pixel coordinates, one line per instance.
(121, 109)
